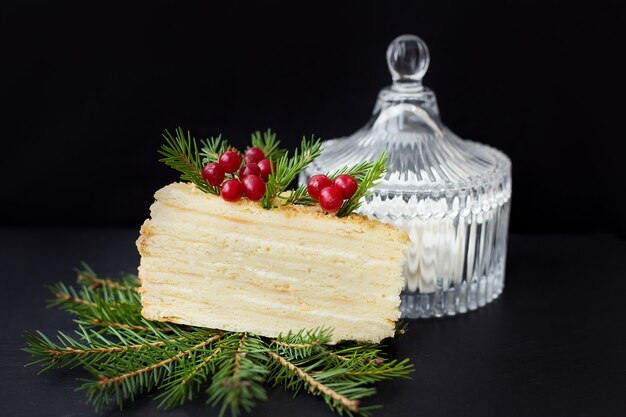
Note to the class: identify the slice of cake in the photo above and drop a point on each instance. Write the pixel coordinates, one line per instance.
(239, 267)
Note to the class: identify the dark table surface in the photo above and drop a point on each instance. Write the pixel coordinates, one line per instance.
(554, 344)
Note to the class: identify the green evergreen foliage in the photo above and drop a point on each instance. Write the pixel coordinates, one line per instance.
(129, 355)
(371, 178)
(269, 144)
(181, 153)
(287, 169)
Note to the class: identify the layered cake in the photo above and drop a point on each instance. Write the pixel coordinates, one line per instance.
(233, 264)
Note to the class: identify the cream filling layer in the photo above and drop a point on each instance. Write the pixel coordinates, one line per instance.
(330, 300)
(263, 318)
(349, 275)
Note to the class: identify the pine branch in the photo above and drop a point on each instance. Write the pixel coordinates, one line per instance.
(181, 154)
(71, 299)
(123, 376)
(183, 383)
(365, 363)
(107, 381)
(370, 179)
(212, 148)
(101, 323)
(129, 355)
(107, 307)
(205, 361)
(344, 368)
(288, 168)
(71, 352)
(295, 377)
(357, 171)
(241, 370)
(269, 144)
(301, 344)
(301, 196)
(87, 276)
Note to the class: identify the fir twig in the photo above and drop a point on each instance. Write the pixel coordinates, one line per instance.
(71, 352)
(288, 168)
(86, 276)
(182, 384)
(357, 171)
(105, 380)
(181, 153)
(101, 323)
(269, 144)
(106, 307)
(129, 355)
(212, 148)
(237, 382)
(371, 178)
(302, 343)
(301, 196)
(313, 385)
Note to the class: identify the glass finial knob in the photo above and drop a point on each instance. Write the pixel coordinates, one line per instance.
(408, 59)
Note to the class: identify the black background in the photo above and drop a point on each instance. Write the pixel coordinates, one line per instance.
(87, 88)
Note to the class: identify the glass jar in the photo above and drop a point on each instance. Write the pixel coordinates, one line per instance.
(452, 196)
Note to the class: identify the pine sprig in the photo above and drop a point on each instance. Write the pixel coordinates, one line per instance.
(105, 307)
(129, 356)
(370, 179)
(87, 276)
(269, 144)
(180, 152)
(299, 374)
(184, 382)
(237, 382)
(141, 370)
(303, 343)
(357, 171)
(89, 348)
(301, 196)
(287, 168)
(212, 148)
(298, 196)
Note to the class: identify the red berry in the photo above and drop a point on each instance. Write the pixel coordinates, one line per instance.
(347, 184)
(316, 184)
(230, 161)
(254, 154)
(331, 199)
(266, 168)
(249, 169)
(232, 190)
(254, 187)
(213, 174)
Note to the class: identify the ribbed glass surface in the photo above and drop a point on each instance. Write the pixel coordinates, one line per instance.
(452, 196)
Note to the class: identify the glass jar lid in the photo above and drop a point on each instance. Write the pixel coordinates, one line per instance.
(424, 155)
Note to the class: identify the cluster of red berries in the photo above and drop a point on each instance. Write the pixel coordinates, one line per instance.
(250, 180)
(331, 194)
